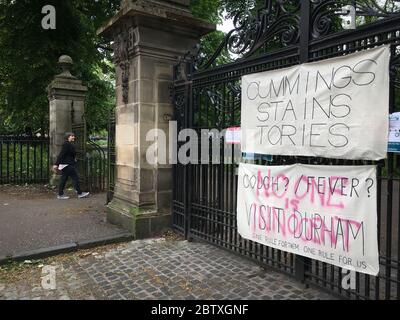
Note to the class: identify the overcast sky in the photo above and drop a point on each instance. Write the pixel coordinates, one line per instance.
(226, 26)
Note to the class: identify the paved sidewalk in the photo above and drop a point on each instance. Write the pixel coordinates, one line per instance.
(32, 218)
(153, 269)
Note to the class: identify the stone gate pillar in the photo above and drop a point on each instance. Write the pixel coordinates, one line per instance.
(67, 98)
(149, 36)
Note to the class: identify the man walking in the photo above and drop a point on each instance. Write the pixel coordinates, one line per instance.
(66, 164)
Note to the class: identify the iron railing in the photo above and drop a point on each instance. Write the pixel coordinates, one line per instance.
(24, 159)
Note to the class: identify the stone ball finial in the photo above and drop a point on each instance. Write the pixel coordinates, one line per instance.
(65, 62)
(65, 59)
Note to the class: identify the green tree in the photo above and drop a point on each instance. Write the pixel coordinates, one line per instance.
(29, 55)
(211, 11)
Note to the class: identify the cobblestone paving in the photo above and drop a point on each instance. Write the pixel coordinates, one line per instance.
(152, 269)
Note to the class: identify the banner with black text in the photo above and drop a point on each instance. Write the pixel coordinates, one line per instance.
(335, 108)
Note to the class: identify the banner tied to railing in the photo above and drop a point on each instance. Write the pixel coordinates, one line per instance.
(335, 108)
(327, 213)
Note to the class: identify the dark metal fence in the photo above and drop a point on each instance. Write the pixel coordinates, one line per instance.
(282, 34)
(24, 159)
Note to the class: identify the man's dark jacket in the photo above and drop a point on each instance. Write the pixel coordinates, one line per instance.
(67, 154)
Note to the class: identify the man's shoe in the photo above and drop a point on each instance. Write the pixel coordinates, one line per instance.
(63, 197)
(83, 195)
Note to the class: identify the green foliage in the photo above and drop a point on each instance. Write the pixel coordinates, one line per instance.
(211, 11)
(232, 7)
(29, 56)
(208, 10)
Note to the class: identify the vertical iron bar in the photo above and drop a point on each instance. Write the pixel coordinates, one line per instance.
(221, 216)
(231, 194)
(41, 160)
(8, 161)
(190, 165)
(300, 262)
(379, 200)
(21, 150)
(34, 162)
(389, 212)
(48, 159)
(1, 160)
(398, 251)
(27, 160)
(14, 161)
(187, 124)
(213, 175)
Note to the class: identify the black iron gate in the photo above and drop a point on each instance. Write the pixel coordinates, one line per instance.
(278, 35)
(91, 160)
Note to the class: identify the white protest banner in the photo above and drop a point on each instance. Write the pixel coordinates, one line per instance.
(335, 108)
(327, 213)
